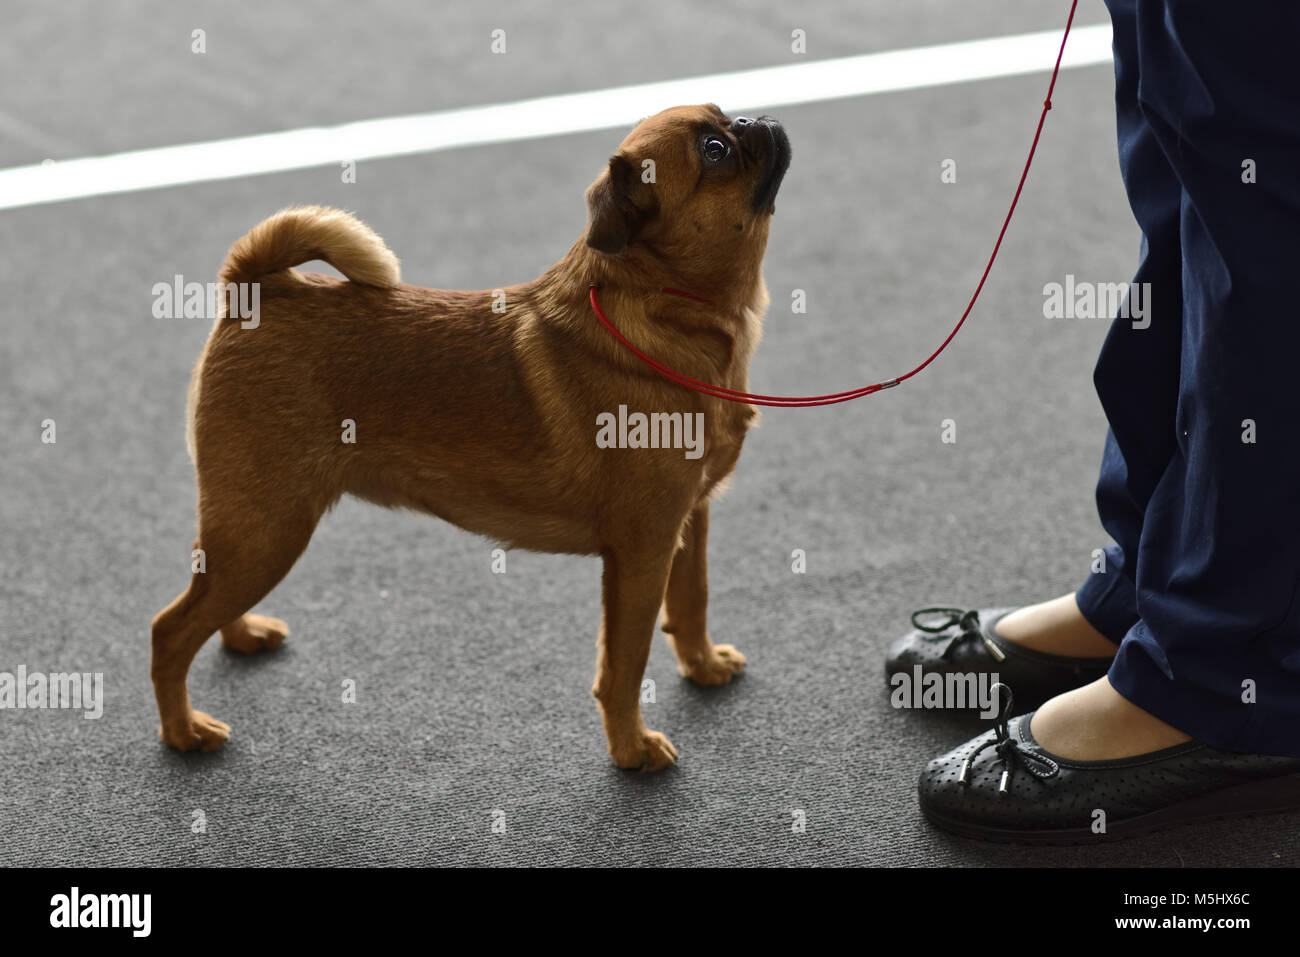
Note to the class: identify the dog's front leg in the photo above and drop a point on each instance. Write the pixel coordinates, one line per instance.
(633, 587)
(686, 605)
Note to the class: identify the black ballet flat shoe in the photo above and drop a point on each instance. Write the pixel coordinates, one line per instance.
(1002, 786)
(950, 641)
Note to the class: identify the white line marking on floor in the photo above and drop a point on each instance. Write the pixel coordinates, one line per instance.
(766, 88)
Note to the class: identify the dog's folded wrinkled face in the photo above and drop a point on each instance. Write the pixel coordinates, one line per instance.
(690, 182)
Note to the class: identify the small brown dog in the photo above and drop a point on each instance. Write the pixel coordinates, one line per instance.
(486, 417)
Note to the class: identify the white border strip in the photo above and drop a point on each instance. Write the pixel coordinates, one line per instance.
(809, 82)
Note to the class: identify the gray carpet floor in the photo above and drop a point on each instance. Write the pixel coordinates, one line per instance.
(473, 688)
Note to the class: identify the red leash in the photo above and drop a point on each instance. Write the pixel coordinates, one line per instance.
(731, 395)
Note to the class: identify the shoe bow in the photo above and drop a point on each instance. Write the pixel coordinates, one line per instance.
(957, 626)
(1008, 749)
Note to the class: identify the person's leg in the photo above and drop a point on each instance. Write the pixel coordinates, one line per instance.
(1137, 379)
(1204, 475)
(1216, 653)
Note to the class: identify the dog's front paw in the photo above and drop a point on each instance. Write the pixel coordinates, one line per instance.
(717, 667)
(649, 752)
(200, 732)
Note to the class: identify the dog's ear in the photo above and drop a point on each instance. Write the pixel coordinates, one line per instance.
(618, 205)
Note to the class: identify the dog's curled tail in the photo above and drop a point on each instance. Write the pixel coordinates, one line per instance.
(290, 237)
(302, 233)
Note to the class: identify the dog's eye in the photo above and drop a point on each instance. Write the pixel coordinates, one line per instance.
(715, 149)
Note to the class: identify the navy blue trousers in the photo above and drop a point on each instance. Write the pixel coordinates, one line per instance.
(1200, 477)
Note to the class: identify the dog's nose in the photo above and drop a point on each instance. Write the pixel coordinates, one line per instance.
(739, 123)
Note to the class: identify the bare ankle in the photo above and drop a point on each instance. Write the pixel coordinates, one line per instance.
(1055, 627)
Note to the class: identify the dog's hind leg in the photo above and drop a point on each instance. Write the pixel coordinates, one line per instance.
(246, 553)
